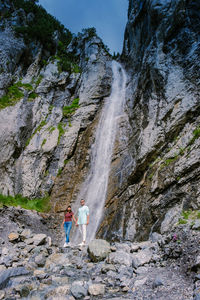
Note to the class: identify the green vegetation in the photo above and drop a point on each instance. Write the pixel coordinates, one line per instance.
(89, 32)
(46, 173)
(42, 27)
(50, 108)
(189, 216)
(59, 171)
(66, 161)
(61, 131)
(14, 93)
(44, 142)
(32, 96)
(66, 61)
(41, 204)
(38, 80)
(182, 221)
(43, 123)
(68, 111)
(196, 135)
(51, 129)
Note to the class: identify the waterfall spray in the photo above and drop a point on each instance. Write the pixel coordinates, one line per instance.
(94, 189)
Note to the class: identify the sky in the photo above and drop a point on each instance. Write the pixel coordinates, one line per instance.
(109, 17)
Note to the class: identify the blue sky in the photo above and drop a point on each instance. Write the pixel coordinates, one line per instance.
(109, 17)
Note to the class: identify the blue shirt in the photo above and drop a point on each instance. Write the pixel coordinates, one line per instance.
(83, 212)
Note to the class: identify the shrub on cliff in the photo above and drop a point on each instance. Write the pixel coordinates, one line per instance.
(42, 26)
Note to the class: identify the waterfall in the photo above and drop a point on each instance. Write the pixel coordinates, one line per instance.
(94, 189)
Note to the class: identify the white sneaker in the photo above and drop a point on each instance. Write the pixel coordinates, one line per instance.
(65, 245)
(82, 244)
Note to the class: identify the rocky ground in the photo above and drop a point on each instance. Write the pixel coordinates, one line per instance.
(34, 266)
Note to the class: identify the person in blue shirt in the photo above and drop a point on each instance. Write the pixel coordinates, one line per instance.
(83, 220)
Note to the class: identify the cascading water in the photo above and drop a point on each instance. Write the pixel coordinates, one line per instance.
(94, 188)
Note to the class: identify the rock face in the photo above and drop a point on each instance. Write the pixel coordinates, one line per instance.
(155, 169)
(47, 134)
(38, 137)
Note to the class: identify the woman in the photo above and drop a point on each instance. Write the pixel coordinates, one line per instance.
(67, 222)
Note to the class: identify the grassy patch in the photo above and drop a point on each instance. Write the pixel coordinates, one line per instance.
(40, 204)
(182, 221)
(51, 129)
(196, 135)
(32, 96)
(44, 142)
(59, 171)
(66, 161)
(68, 111)
(61, 131)
(38, 80)
(14, 93)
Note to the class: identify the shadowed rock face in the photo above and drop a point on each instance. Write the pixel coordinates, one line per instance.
(155, 171)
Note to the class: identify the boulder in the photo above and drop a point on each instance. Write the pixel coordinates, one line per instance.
(141, 258)
(120, 257)
(13, 237)
(40, 260)
(12, 272)
(78, 290)
(196, 225)
(25, 234)
(39, 239)
(57, 259)
(98, 250)
(96, 289)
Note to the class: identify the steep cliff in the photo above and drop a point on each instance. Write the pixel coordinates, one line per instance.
(52, 85)
(156, 168)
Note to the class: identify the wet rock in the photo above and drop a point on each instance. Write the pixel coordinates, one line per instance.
(96, 289)
(98, 250)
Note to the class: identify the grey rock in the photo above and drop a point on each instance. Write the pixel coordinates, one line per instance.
(39, 239)
(196, 225)
(25, 234)
(158, 282)
(12, 272)
(24, 291)
(141, 258)
(120, 257)
(40, 260)
(98, 250)
(108, 267)
(96, 289)
(78, 290)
